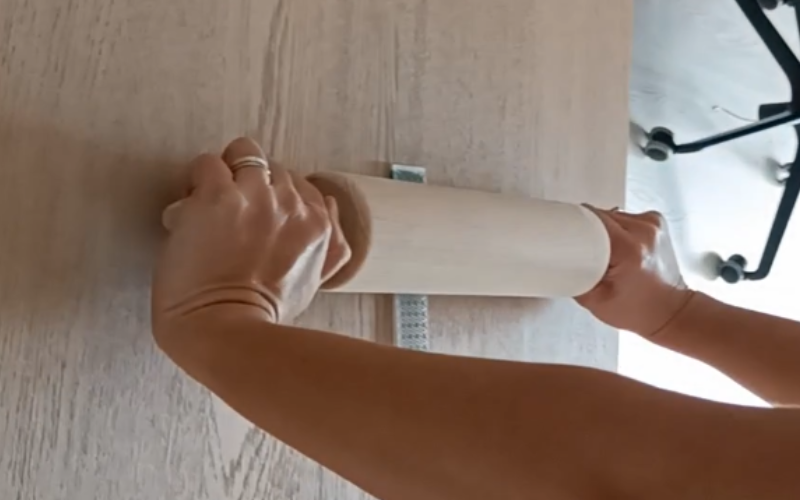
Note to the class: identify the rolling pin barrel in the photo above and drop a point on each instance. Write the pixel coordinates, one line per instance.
(423, 239)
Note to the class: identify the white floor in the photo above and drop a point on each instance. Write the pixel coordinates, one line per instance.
(699, 68)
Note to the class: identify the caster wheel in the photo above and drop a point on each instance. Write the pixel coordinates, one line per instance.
(770, 4)
(660, 144)
(783, 173)
(732, 270)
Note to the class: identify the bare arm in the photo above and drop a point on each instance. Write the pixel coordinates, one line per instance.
(759, 351)
(644, 293)
(249, 247)
(406, 425)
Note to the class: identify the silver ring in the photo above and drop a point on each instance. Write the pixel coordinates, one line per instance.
(250, 162)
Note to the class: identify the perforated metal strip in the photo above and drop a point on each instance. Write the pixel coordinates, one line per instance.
(411, 311)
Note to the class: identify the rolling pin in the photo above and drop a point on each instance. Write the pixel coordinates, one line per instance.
(412, 238)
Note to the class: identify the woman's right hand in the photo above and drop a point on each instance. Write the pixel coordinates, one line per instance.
(643, 289)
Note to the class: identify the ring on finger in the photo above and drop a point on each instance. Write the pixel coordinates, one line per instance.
(250, 162)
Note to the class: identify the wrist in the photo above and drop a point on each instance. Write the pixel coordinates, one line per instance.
(664, 308)
(217, 300)
(198, 334)
(689, 304)
(216, 316)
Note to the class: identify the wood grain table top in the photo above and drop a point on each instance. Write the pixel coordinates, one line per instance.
(103, 101)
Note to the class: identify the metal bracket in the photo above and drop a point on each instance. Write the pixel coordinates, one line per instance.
(411, 311)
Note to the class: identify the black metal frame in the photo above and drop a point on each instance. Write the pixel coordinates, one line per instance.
(771, 116)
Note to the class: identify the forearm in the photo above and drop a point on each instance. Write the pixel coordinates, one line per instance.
(759, 351)
(403, 425)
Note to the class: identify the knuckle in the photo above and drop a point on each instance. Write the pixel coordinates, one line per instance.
(204, 158)
(230, 199)
(651, 233)
(655, 217)
(347, 252)
(642, 251)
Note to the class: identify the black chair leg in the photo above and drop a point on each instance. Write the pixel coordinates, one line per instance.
(734, 269)
(780, 50)
(661, 143)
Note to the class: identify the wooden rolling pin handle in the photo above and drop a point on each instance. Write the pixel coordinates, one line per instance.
(355, 220)
(412, 238)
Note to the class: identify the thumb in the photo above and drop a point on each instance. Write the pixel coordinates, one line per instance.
(339, 251)
(171, 215)
(607, 218)
(618, 235)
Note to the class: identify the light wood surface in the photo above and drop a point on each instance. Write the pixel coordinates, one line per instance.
(410, 238)
(102, 102)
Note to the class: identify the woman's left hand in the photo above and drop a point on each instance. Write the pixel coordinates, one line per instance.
(261, 238)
